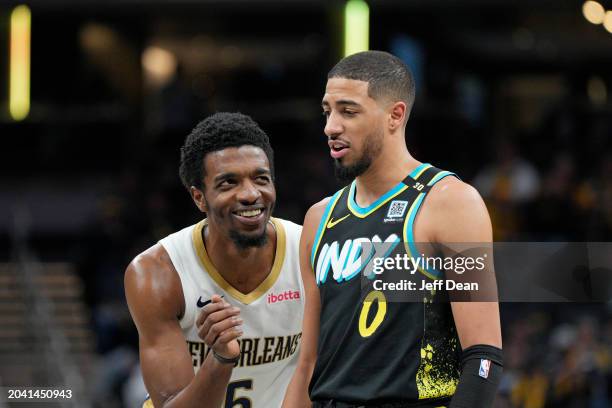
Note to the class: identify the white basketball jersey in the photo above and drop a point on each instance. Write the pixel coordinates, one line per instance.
(272, 314)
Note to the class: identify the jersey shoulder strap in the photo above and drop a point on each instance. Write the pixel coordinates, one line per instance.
(425, 176)
(422, 183)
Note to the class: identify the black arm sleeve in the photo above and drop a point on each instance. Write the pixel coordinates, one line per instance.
(481, 369)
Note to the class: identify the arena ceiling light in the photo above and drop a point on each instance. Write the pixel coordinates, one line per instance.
(159, 65)
(19, 71)
(608, 21)
(593, 12)
(356, 27)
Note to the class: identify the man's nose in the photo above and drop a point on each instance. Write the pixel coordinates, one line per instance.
(248, 193)
(333, 126)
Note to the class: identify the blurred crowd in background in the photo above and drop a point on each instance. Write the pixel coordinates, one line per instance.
(527, 121)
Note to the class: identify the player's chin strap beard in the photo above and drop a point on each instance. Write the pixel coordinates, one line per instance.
(346, 174)
(243, 242)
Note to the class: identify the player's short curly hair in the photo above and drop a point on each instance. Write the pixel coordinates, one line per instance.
(387, 75)
(218, 132)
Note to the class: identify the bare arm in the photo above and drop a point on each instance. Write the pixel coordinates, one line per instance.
(462, 220)
(155, 299)
(460, 216)
(297, 392)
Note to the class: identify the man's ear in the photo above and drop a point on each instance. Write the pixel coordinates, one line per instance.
(397, 117)
(198, 198)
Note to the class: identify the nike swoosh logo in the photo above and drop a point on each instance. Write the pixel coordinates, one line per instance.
(332, 223)
(202, 304)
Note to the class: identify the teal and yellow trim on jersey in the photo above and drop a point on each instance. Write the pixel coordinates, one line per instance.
(419, 170)
(245, 298)
(409, 244)
(355, 209)
(363, 212)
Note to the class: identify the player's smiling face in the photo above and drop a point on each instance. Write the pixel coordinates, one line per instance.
(354, 125)
(239, 194)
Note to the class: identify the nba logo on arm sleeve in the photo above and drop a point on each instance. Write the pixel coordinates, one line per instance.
(484, 368)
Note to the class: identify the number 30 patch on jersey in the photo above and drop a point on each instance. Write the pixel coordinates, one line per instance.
(485, 365)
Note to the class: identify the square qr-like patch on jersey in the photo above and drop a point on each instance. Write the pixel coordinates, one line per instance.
(397, 208)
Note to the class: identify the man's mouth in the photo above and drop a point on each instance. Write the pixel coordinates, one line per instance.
(338, 148)
(249, 213)
(251, 217)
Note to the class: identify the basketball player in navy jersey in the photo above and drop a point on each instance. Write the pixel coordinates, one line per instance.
(358, 350)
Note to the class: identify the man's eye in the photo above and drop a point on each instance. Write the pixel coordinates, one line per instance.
(227, 183)
(350, 112)
(263, 179)
(325, 113)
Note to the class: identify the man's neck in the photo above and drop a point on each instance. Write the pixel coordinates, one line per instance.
(385, 172)
(243, 268)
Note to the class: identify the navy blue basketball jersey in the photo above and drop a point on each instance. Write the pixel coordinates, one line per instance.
(372, 350)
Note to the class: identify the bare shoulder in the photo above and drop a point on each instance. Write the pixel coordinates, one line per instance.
(151, 275)
(312, 219)
(451, 193)
(318, 208)
(315, 213)
(153, 263)
(459, 212)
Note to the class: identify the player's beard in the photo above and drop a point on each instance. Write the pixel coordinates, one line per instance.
(243, 241)
(246, 241)
(371, 149)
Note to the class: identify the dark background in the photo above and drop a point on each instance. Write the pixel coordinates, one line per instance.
(513, 96)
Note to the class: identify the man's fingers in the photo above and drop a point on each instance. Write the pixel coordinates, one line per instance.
(210, 336)
(209, 323)
(210, 309)
(206, 310)
(216, 302)
(216, 298)
(228, 335)
(217, 317)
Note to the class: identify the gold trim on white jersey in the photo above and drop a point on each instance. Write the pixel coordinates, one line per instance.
(246, 298)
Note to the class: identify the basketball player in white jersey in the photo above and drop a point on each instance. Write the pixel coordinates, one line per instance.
(218, 305)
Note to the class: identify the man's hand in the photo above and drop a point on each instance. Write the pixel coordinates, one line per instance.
(219, 325)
